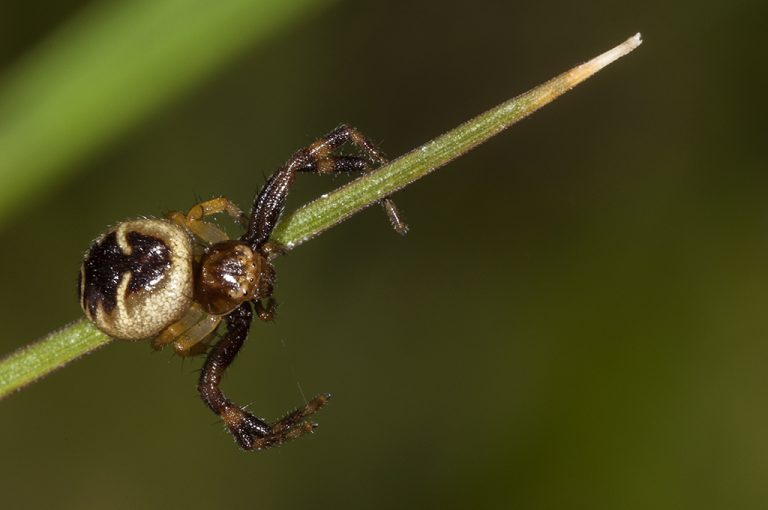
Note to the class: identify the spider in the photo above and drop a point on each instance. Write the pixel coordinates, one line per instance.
(146, 278)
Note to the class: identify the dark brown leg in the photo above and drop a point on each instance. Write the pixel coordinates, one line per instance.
(249, 432)
(317, 158)
(322, 149)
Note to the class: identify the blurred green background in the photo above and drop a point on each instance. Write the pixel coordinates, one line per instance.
(576, 319)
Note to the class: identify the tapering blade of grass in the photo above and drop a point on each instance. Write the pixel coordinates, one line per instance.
(108, 68)
(338, 205)
(53, 351)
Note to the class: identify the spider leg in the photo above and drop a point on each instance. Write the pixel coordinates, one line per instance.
(317, 158)
(206, 231)
(250, 433)
(192, 342)
(338, 164)
(216, 206)
(345, 133)
(188, 333)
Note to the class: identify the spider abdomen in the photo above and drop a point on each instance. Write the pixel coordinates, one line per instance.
(136, 278)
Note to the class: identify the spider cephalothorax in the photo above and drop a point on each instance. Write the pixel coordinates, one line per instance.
(229, 273)
(143, 279)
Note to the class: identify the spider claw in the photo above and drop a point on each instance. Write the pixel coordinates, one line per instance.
(251, 433)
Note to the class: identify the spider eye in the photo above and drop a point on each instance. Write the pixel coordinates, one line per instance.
(136, 278)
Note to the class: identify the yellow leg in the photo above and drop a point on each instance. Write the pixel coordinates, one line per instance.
(216, 206)
(191, 342)
(188, 331)
(208, 232)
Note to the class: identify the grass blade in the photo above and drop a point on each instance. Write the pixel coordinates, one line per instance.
(44, 356)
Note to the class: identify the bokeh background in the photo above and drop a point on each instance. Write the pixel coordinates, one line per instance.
(576, 320)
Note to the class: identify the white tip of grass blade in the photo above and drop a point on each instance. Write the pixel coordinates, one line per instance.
(584, 71)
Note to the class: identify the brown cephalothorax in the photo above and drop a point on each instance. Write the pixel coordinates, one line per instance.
(230, 273)
(143, 279)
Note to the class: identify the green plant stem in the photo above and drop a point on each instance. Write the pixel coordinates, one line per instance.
(55, 350)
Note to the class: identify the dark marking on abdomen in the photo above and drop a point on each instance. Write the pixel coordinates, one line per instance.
(106, 264)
